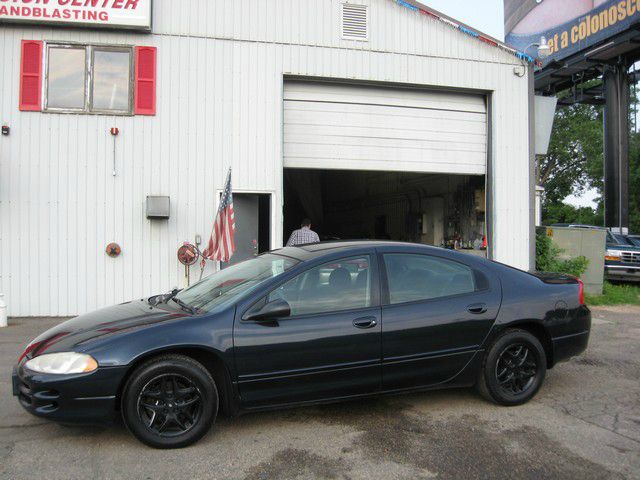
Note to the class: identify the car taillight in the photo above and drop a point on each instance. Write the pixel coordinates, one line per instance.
(580, 291)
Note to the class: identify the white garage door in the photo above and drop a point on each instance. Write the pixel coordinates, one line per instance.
(335, 126)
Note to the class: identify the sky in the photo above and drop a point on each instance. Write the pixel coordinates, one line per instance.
(484, 15)
(488, 17)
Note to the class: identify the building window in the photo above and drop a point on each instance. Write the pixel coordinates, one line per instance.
(111, 80)
(66, 78)
(89, 79)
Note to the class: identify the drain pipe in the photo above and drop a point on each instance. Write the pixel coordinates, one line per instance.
(3, 311)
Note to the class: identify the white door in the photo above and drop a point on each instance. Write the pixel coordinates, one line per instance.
(336, 126)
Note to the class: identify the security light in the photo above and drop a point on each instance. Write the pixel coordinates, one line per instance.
(544, 50)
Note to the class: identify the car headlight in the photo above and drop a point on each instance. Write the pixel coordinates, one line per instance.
(613, 255)
(61, 363)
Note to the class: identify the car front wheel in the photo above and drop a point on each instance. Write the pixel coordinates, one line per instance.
(170, 402)
(513, 369)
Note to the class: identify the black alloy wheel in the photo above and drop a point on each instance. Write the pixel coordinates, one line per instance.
(170, 402)
(513, 369)
(170, 405)
(516, 369)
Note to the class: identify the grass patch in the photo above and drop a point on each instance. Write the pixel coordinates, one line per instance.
(615, 294)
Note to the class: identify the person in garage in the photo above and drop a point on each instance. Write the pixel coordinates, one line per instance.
(303, 235)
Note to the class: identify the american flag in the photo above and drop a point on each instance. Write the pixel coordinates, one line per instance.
(221, 243)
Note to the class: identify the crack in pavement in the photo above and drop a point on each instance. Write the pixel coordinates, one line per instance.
(565, 410)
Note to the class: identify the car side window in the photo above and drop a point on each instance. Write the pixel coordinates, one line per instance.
(413, 277)
(343, 284)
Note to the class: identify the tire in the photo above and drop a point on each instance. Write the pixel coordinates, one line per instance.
(169, 402)
(513, 368)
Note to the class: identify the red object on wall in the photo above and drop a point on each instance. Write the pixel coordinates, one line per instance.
(31, 76)
(145, 89)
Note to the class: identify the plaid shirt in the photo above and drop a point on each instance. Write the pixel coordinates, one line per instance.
(301, 236)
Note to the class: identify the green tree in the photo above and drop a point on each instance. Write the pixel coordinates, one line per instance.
(564, 213)
(575, 162)
(574, 159)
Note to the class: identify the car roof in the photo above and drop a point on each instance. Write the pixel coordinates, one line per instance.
(577, 225)
(312, 250)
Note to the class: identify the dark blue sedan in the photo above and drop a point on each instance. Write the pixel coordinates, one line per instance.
(300, 325)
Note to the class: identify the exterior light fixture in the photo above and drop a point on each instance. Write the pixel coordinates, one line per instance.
(544, 50)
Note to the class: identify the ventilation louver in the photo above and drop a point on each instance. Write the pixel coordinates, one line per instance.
(354, 21)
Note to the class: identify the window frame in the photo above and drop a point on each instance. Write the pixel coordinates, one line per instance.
(375, 298)
(386, 292)
(45, 87)
(89, 49)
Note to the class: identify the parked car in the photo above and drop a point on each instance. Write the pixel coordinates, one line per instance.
(304, 325)
(635, 239)
(577, 225)
(622, 258)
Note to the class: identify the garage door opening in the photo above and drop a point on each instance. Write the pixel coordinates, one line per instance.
(432, 209)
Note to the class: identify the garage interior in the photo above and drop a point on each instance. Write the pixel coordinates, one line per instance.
(385, 162)
(432, 209)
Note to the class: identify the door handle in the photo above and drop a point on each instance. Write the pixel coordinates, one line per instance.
(365, 322)
(477, 308)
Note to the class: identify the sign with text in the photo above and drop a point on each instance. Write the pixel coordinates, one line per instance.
(125, 14)
(570, 26)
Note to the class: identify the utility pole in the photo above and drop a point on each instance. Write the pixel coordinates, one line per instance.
(616, 146)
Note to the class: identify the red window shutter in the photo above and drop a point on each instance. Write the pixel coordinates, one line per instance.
(31, 76)
(145, 94)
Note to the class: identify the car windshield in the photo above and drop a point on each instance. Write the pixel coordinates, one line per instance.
(617, 239)
(614, 239)
(231, 282)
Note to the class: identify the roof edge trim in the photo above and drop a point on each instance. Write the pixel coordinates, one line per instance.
(423, 10)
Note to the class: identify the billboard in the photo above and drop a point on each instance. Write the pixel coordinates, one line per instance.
(124, 14)
(570, 26)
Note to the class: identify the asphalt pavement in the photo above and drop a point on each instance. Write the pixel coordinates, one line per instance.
(584, 424)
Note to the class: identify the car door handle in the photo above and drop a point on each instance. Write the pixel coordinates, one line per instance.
(477, 308)
(365, 322)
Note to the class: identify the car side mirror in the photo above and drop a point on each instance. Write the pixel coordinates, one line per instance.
(276, 309)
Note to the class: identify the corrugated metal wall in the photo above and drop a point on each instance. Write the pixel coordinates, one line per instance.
(220, 79)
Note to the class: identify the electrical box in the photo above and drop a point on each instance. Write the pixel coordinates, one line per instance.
(158, 207)
(588, 242)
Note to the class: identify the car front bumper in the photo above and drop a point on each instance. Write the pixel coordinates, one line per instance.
(87, 398)
(629, 273)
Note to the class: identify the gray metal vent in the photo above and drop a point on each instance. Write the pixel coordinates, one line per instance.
(354, 21)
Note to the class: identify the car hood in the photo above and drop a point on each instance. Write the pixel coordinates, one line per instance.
(624, 248)
(75, 333)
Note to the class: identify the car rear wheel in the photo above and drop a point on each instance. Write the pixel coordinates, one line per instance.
(170, 402)
(514, 368)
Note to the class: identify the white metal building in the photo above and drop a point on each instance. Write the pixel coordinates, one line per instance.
(351, 112)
